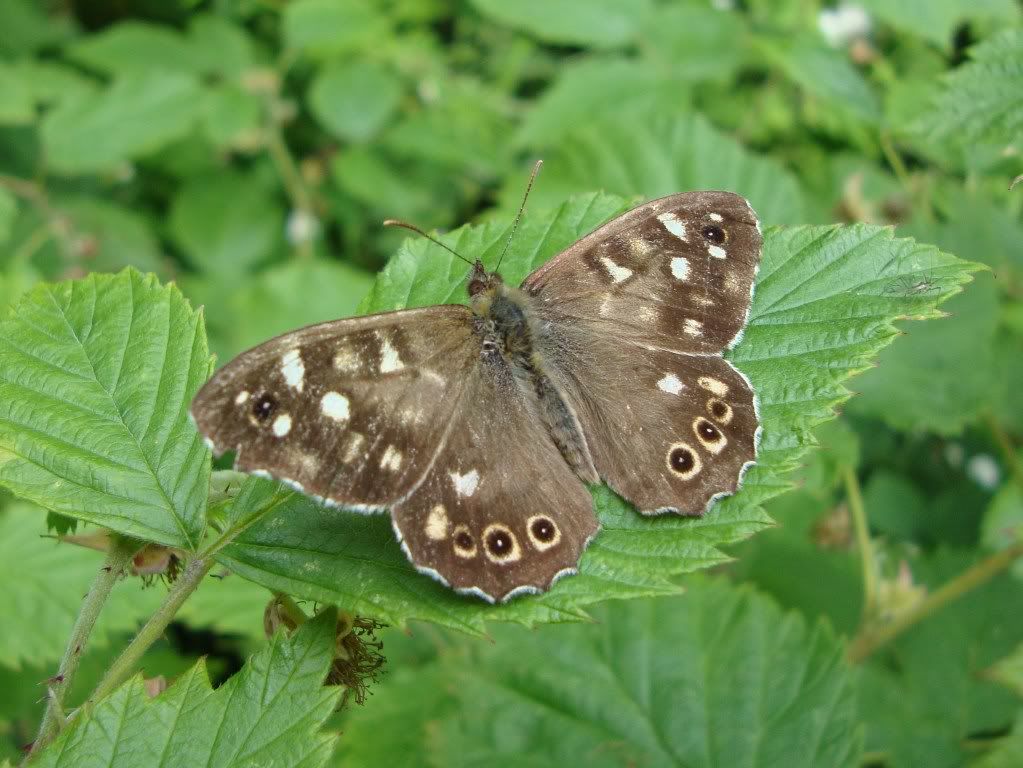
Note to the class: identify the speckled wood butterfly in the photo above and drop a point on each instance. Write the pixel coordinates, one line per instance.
(480, 427)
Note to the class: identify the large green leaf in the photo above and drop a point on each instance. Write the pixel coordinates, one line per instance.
(823, 308)
(329, 27)
(270, 713)
(656, 152)
(95, 379)
(44, 581)
(139, 113)
(354, 100)
(719, 677)
(983, 99)
(599, 23)
(936, 20)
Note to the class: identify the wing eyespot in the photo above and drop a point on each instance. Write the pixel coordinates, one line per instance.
(263, 407)
(683, 461)
(714, 234)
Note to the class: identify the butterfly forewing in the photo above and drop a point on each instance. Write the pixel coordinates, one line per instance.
(676, 272)
(500, 512)
(352, 411)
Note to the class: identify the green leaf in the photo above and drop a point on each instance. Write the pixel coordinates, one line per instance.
(1007, 752)
(598, 23)
(1003, 522)
(44, 581)
(139, 113)
(112, 236)
(330, 27)
(821, 312)
(719, 677)
(590, 86)
(1009, 671)
(232, 117)
(354, 100)
(695, 41)
(959, 349)
(937, 20)
(95, 380)
(16, 103)
(924, 697)
(25, 27)
(226, 223)
(270, 713)
(132, 46)
(657, 152)
(982, 99)
(825, 73)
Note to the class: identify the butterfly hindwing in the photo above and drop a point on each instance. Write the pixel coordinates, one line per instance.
(499, 512)
(351, 411)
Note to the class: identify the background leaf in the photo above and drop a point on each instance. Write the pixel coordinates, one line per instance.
(601, 23)
(95, 379)
(754, 687)
(270, 712)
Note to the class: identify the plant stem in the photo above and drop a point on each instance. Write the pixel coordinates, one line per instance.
(870, 638)
(867, 562)
(118, 556)
(1009, 453)
(186, 584)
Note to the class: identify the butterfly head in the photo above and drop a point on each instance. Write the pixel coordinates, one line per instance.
(482, 283)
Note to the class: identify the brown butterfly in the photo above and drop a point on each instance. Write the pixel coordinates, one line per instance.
(480, 427)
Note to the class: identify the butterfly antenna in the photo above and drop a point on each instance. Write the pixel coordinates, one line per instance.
(518, 216)
(418, 231)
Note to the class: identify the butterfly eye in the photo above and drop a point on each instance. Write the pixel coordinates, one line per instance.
(263, 407)
(713, 234)
(476, 286)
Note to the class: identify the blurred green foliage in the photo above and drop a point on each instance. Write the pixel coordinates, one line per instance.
(249, 149)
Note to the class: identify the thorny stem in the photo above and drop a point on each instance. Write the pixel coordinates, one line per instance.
(186, 584)
(872, 637)
(119, 555)
(867, 562)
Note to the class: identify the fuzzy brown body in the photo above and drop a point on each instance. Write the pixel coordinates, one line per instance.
(507, 324)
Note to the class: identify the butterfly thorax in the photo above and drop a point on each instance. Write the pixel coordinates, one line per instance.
(504, 320)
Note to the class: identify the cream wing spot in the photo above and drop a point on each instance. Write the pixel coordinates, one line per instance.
(673, 225)
(242, 398)
(716, 251)
(293, 369)
(346, 360)
(716, 217)
(465, 485)
(711, 384)
(391, 460)
(670, 384)
(282, 425)
(680, 268)
(618, 273)
(335, 406)
(390, 361)
(437, 523)
(353, 448)
(693, 327)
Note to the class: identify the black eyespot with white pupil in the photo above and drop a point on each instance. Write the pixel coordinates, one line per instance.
(713, 233)
(463, 540)
(718, 409)
(263, 407)
(707, 431)
(543, 530)
(499, 543)
(682, 460)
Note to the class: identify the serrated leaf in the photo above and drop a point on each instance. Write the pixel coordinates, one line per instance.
(139, 113)
(719, 677)
(270, 713)
(821, 312)
(95, 380)
(982, 99)
(936, 20)
(657, 152)
(959, 348)
(43, 583)
(598, 23)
